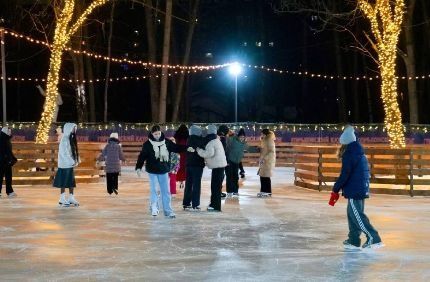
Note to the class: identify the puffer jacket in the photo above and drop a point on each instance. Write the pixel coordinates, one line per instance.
(267, 155)
(65, 155)
(112, 154)
(235, 149)
(152, 164)
(213, 153)
(354, 176)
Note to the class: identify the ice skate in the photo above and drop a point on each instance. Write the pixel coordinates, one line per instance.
(154, 209)
(348, 246)
(171, 215)
(72, 201)
(235, 195)
(62, 202)
(229, 195)
(242, 174)
(223, 195)
(196, 209)
(264, 195)
(12, 195)
(373, 246)
(186, 207)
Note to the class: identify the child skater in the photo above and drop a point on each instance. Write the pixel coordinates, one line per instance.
(354, 183)
(112, 154)
(68, 158)
(174, 168)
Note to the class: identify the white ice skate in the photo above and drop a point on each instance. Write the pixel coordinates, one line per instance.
(154, 209)
(171, 215)
(264, 195)
(12, 195)
(73, 201)
(367, 246)
(63, 201)
(229, 195)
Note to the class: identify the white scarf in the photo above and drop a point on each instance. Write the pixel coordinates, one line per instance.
(160, 150)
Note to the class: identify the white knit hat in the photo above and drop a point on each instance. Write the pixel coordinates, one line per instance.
(348, 136)
(114, 135)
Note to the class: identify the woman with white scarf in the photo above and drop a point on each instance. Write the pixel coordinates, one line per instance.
(155, 154)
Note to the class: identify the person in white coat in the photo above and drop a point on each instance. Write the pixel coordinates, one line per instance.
(215, 159)
(68, 158)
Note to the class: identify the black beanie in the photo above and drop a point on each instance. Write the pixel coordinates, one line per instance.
(241, 132)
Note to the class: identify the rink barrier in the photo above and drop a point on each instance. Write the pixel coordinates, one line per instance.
(393, 171)
(37, 164)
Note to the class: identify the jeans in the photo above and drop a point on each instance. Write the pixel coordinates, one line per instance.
(163, 182)
(216, 185)
(358, 222)
(6, 172)
(112, 181)
(231, 172)
(193, 186)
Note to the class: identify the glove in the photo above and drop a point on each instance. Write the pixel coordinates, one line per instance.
(139, 172)
(333, 198)
(191, 149)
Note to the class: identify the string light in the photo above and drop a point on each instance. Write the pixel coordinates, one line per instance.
(386, 25)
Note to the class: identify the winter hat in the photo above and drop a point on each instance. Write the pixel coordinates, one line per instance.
(195, 130)
(347, 136)
(114, 135)
(211, 129)
(5, 130)
(223, 130)
(241, 132)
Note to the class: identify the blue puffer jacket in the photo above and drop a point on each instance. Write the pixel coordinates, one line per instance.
(354, 176)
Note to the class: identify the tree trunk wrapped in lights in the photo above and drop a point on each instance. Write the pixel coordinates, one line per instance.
(63, 32)
(386, 24)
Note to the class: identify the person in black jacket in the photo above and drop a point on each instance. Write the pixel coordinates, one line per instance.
(155, 154)
(194, 172)
(7, 160)
(354, 183)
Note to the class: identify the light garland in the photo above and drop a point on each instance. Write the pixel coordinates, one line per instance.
(119, 60)
(386, 26)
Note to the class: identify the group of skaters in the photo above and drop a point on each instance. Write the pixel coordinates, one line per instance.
(183, 157)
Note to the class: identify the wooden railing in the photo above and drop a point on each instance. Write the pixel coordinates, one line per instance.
(393, 171)
(37, 164)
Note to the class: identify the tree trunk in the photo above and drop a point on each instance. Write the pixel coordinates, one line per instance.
(180, 86)
(340, 83)
(165, 62)
(90, 77)
(152, 57)
(105, 96)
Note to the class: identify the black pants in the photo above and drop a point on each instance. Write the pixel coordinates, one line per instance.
(231, 172)
(242, 171)
(216, 182)
(112, 181)
(266, 184)
(6, 172)
(193, 185)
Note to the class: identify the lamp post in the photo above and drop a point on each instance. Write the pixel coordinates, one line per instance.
(235, 69)
(3, 69)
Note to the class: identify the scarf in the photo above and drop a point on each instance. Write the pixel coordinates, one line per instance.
(160, 150)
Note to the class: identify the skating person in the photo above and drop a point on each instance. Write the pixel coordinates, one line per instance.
(223, 132)
(181, 137)
(236, 145)
(214, 156)
(354, 183)
(155, 154)
(112, 154)
(267, 162)
(68, 158)
(195, 165)
(174, 168)
(7, 160)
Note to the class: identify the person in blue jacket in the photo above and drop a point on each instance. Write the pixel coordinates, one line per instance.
(354, 183)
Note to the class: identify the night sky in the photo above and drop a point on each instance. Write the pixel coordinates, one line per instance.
(249, 32)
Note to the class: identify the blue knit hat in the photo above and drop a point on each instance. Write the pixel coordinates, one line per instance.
(195, 130)
(348, 136)
(211, 129)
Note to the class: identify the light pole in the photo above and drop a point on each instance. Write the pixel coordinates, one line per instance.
(235, 69)
(3, 69)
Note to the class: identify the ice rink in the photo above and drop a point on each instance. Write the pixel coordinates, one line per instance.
(293, 236)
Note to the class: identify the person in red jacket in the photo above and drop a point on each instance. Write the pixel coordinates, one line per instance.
(181, 137)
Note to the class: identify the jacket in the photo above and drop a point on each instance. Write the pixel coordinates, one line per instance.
(267, 155)
(112, 154)
(355, 175)
(235, 149)
(213, 153)
(147, 155)
(193, 159)
(65, 156)
(7, 158)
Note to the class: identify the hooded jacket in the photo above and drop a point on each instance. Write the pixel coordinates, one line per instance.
(65, 155)
(235, 149)
(7, 158)
(267, 155)
(147, 155)
(354, 176)
(112, 154)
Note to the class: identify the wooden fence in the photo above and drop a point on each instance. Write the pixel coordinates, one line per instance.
(37, 163)
(393, 171)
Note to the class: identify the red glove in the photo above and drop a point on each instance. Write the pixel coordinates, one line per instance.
(333, 198)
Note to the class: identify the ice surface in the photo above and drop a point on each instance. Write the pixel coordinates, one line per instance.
(293, 236)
